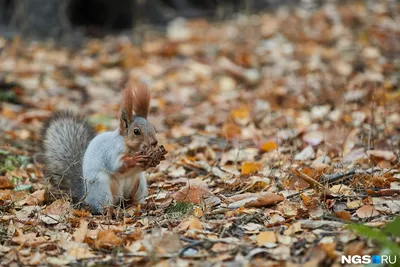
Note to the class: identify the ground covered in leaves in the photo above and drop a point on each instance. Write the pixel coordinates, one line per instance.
(281, 129)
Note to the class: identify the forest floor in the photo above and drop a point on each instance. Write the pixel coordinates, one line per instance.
(283, 132)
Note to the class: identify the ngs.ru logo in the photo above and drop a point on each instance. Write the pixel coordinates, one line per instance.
(367, 259)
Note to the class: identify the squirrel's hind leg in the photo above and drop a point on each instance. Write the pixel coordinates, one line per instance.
(140, 192)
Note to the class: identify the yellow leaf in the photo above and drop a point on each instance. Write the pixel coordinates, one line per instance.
(241, 116)
(265, 238)
(241, 113)
(191, 223)
(269, 146)
(250, 167)
(197, 212)
(394, 96)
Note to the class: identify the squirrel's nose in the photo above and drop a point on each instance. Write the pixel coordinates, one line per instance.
(154, 143)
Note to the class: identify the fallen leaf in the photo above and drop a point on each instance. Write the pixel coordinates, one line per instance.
(294, 228)
(36, 198)
(313, 138)
(5, 183)
(107, 239)
(58, 207)
(344, 215)
(250, 200)
(355, 204)
(80, 233)
(305, 154)
(269, 146)
(194, 192)
(167, 243)
(250, 167)
(367, 211)
(266, 238)
(191, 223)
(241, 116)
(378, 155)
(80, 253)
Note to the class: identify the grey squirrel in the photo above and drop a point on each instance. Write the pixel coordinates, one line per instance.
(103, 170)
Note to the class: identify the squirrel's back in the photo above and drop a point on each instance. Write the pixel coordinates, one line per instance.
(65, 137)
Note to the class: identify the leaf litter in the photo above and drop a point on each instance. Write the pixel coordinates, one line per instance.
(282, 127)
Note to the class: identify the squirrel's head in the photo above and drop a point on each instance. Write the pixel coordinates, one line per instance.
(136, 129)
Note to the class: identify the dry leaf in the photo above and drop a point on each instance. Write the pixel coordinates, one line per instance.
(107, 239)
(367, 211)
(195, 192)
(266, 239)
(241, 116)
(294, 228)
(5, 183)
(344, 215)
(354, 204)
(305, 154)
(313, 138)
(58, 207)
(80, 253)
(80, 233)
(250, 200)
(379, 155)
(36, 198)
(191, 223)
(250, 167)
(269, 146)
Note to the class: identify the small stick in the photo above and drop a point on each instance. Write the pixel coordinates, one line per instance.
(311, 181)
(331, 178)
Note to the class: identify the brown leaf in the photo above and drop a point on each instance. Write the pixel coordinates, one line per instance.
(36, 198)
(58, 207)
(379, 155)
(5, 183)
(266, 238)
(81, 213)
(107, 239)
(191, 223)
(367, 211)
(344, 215)
(194, 192)
(253, 200)
(29, 239)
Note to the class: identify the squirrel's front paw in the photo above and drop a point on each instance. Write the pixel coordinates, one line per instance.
(138, 160)
(142, 161)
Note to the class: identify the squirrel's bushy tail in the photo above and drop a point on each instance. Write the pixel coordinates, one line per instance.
(65, 137)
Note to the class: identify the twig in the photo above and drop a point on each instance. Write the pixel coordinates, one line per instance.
(331, 178)
(193, 244)
(298, 193)
(311, 181)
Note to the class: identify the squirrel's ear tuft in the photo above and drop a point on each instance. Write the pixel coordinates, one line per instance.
(141, 100)
(123, 123)
(126, 110)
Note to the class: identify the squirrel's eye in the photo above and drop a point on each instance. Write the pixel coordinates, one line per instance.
(136, 131)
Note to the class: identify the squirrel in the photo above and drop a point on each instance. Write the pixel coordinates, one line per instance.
(103, 170)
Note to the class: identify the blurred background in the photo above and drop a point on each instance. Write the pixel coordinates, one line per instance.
(60, 19)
